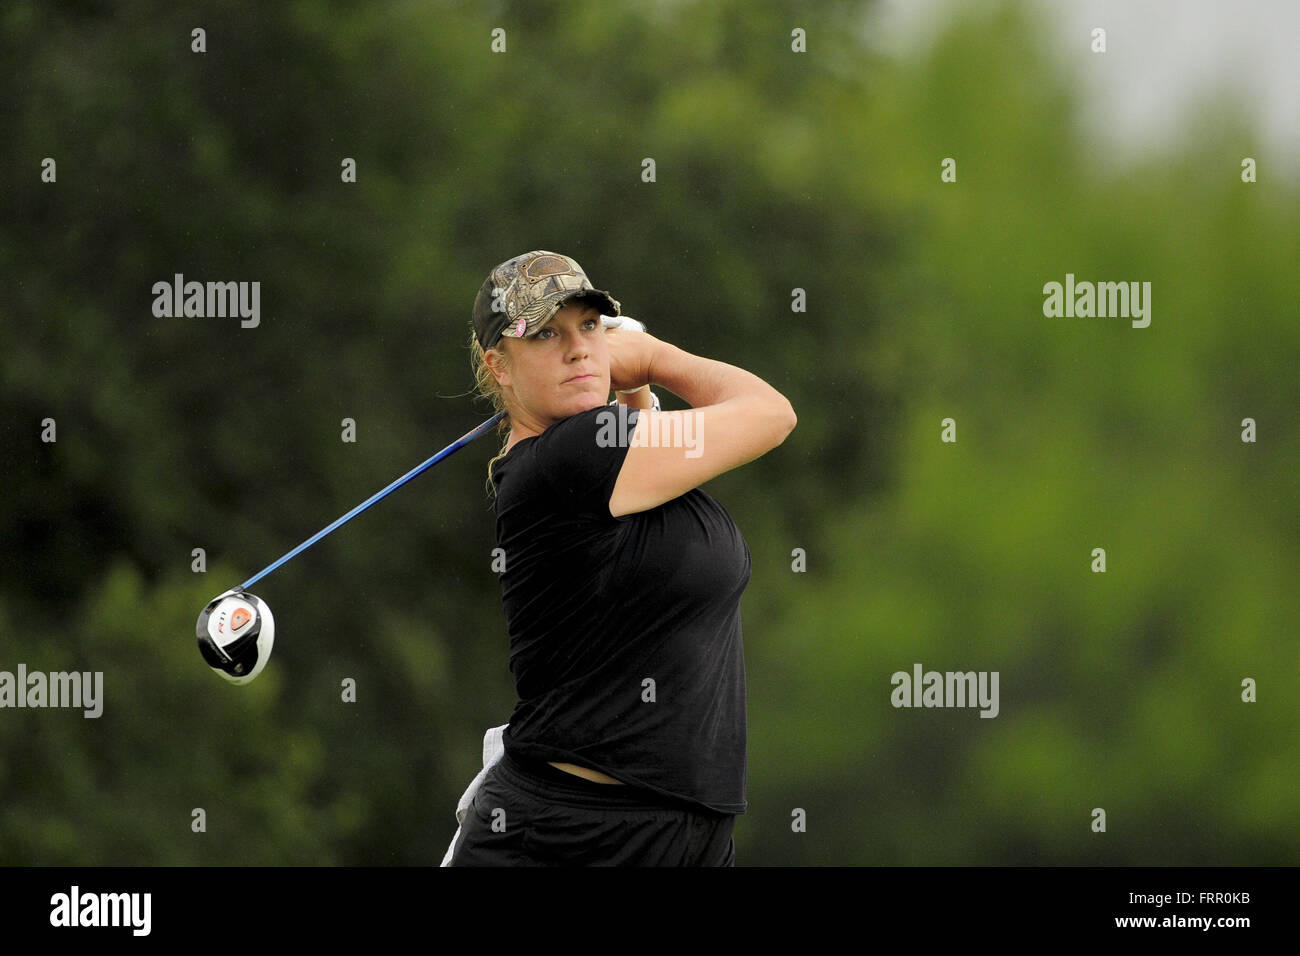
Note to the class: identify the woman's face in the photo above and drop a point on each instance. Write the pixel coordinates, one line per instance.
(543, 373)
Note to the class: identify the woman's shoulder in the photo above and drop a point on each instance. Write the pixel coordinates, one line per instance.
(576, 457)
(581, 428)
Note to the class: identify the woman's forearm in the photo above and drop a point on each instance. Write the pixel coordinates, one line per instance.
(702, 381)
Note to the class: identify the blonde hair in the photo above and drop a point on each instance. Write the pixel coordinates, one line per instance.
(488, 387)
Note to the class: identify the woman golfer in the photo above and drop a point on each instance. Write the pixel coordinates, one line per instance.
(622, 582)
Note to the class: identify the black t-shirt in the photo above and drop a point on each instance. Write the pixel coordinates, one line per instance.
(598, 607)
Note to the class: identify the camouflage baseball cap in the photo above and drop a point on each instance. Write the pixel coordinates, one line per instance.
(522, 294)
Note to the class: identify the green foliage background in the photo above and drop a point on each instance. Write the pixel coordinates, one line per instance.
(819, 171)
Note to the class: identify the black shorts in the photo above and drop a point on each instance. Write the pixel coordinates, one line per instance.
(528, 813)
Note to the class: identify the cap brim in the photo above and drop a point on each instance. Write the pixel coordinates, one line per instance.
(604, 304)
(603, 301)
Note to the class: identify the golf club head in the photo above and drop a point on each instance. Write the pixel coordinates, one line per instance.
(236, 632)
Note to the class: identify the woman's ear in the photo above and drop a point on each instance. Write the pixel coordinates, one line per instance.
(495, 359)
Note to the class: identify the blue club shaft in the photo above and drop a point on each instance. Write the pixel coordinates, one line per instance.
(415, 472)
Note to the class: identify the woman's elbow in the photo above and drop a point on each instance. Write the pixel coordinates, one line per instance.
(784, 420)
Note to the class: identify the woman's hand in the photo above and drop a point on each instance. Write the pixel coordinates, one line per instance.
(631, 357)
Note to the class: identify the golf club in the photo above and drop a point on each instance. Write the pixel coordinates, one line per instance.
(236, 630)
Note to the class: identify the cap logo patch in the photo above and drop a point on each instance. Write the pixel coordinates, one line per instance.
(543, 267)
(519, 328)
